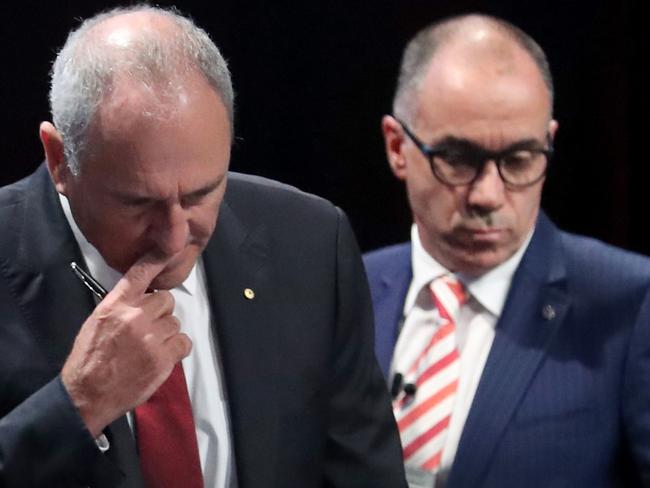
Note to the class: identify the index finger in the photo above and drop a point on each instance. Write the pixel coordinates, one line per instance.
(138, 278)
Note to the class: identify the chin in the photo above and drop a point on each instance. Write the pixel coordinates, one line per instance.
(480, 263)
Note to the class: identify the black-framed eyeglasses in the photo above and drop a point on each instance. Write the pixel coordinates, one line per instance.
(458, 162)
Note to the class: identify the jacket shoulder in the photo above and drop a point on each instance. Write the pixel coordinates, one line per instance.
(596, 262)
(250, 195)
(385, 258)
(13, 194)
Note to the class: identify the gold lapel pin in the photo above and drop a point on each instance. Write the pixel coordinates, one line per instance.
(249, 293)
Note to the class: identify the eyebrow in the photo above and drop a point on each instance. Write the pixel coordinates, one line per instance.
(201, 192)
(134, 199)
(452, 142)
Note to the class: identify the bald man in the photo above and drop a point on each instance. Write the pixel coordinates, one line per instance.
(208, 337)
(517, 354)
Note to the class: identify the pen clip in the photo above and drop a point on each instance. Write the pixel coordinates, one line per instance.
(91, 283)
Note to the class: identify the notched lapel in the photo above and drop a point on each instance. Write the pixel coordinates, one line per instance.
(388, 301)
(55, 304)
(51, 298)
(240, 288)
(536, 307)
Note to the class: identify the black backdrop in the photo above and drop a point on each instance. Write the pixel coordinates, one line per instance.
(313, 79)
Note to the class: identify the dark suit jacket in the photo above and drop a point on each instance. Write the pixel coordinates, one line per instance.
(308, 405)
(564, 399)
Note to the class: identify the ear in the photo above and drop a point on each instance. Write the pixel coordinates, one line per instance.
(553, 126)
(393, 143)
(53, 147)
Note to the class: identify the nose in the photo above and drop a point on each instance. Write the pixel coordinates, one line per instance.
(487, 192)
(170, 231)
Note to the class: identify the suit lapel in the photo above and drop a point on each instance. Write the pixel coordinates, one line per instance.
(53, 300)
(536, 306)
(388, 302)
(237, 268)
(55, 304)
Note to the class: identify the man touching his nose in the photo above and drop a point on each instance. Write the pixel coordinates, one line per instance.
(228, 342)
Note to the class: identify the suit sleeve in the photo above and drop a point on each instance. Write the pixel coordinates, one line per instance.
(636, 393)
(43, 440)
(363, 448)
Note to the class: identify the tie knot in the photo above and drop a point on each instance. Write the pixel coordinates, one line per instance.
(448, 295)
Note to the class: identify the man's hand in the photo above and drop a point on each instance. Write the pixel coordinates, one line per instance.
(126, 349)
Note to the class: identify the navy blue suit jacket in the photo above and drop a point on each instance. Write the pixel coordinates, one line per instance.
(564, 399)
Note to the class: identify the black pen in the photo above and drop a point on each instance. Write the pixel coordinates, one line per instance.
(92, 284)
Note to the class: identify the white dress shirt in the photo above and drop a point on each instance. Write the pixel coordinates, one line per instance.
(202, 367)
(475, 329)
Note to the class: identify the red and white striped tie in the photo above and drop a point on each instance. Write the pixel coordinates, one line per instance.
(423, 418)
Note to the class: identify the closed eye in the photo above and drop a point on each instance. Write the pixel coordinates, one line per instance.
(518, 159)
(188, 199)
(197, 196)
(130, 201)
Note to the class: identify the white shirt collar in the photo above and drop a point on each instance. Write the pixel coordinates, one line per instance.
(97, 267)
(489, 289)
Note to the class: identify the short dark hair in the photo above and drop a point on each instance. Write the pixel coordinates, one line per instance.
(421, 48)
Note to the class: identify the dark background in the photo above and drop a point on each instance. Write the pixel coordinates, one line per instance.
(313, 79)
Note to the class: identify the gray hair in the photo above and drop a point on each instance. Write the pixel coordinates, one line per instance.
(421, 48)
(85, 69)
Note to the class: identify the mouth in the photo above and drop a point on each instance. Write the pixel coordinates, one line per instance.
(485, 230)
(484, 234)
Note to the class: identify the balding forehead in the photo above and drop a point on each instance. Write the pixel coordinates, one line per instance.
(475, 29)
(480, 43)
(124, 29)
(483, 53)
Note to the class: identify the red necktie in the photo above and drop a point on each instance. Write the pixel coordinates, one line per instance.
(169, 454)
(423, 418)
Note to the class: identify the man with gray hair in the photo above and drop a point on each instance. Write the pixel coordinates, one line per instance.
(158, 329)
(518, 355)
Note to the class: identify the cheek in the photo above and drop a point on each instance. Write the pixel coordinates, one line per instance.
(203, 221)
(527, 206)
(440, 206)
(105, 222)
(128, 225)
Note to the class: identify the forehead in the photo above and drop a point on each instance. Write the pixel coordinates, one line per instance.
(479, 85)
(138, 134)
